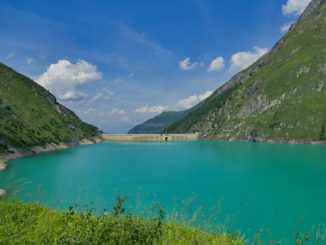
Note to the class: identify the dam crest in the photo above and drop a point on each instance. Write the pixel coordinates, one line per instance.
(149, 137)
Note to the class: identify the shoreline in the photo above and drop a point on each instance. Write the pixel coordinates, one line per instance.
(267, 140)
(49, 147)
(3, 165)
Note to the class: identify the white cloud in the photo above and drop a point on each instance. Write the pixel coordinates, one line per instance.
(242, 60)
(118, 80)
(72, 95)
(193, 100)
(106, 94)
(186, 64)
(119, 116)
(88, 111)
(295, 7)
(216, 65)
(116, 111)
(96, 97)
(29, 60)
(152, 109)
(63, 78)
(125, 119)
(286, 27)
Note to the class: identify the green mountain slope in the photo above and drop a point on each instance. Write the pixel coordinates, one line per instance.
(156, 124)
(30, 116)
(281, 97)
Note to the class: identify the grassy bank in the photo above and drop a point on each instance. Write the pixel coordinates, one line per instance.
(33, 223)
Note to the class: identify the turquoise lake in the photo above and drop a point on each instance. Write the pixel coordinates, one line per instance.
(279, 188)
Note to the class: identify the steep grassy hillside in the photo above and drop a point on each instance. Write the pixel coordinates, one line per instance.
(281, 97)
(30, 115)
(158, 123)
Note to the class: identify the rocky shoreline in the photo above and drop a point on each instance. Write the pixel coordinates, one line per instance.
(265, 140)
(49, 147)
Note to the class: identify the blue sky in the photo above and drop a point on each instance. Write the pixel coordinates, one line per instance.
(118, 63)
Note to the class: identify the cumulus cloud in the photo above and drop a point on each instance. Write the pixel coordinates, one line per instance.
(193, 100)
(186, 65)
(64, 78)
(216, 65)
(242, 60)
(286, 27)
(295, 7)
(152, 109)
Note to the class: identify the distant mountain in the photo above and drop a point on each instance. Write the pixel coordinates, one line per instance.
(30, 116)
(281, 97)
(158, 123)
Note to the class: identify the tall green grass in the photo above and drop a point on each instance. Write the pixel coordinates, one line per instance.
(33, 223)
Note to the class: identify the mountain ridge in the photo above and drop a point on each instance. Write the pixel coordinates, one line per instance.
(281, 97)
(33, 121)
(158, 123)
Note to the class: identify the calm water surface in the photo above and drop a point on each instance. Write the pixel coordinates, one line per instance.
(276, 187)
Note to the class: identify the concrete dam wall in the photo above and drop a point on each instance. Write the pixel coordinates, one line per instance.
(149, 137)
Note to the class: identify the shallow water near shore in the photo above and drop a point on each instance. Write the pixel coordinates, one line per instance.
(279, 188)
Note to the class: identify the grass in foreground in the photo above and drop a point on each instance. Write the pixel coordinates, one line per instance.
(33, 223)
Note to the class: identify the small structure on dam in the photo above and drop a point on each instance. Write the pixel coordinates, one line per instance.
(2, 193)
(149, 137)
